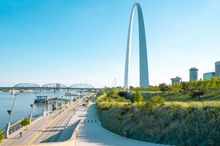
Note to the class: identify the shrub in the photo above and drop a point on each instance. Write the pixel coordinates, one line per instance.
(25, 122)
(137, 97)
(1, 136)
(197, 93)
(101, 92)
(126, 95)
(157, 100)
(167, 125)
(164, 87)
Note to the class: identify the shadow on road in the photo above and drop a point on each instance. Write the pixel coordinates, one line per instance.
(63, 135)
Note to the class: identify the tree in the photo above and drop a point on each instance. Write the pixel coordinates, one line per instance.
(164, 87)
(137, 97)
(153, 88)
(1, 136)
(126, 95)
(25, 122)
(132, 88)
(60, 105)
(175, 87)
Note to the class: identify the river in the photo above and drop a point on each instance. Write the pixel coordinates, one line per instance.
(22, 106)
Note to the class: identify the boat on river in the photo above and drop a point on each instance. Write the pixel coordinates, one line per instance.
(41, 99)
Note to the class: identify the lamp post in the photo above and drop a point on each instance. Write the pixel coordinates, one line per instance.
(70, 100)
(30, 116)
(7, 128)
(43, 113)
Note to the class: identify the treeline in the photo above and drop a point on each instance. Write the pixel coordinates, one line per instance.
(213, 83)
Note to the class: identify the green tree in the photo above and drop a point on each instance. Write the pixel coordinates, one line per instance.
(175, 87)
(1, 136)
(112, 92)
(164, 87)
(137, 97)
(25, 122)
(60, 105)
(153, 88)
(132, 88)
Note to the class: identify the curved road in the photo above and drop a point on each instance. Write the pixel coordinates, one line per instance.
(93, 134)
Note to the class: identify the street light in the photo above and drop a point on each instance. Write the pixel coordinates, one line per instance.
(7, 128)
(70, 100)
(44, 110)
(30, 116)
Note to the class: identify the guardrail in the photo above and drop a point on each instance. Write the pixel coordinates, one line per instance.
(70, 142)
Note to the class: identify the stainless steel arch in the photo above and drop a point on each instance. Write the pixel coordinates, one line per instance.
(144, 77)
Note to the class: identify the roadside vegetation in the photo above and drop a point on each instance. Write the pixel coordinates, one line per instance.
(25, 122)
(1, 136)
(182, 114)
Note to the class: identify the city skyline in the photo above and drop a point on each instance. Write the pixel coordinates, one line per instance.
(85, 42)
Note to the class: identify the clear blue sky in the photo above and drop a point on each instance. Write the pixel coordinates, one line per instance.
(84, 41)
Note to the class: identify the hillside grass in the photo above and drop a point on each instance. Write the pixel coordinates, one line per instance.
(177, 96)
(181, 120)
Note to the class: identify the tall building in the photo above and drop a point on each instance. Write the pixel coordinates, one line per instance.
(217, 69)
(144, 78)
(208, 75)
(176, 80)
(193, 74)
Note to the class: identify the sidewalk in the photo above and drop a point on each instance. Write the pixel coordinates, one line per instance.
(93, 134)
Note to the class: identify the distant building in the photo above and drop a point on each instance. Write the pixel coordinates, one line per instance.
(208, 75)
(217, 69)
(193, 74)
(176, 80)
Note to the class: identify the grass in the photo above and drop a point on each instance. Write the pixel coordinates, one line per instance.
(177, 96)
(1, 136)
(181, 120)
(213, 103)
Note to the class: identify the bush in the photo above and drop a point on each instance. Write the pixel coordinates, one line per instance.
(1, 136)
(126, 95)
(197, 93)
(164, 87)
(25, 122)
(137, 97)
(101, 92)
(167, 125)
(157, 101)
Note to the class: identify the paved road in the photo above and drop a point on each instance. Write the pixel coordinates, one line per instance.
(51, 128)
(59, 126)
(92, 134)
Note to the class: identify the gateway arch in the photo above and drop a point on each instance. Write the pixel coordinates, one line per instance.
(143, 61)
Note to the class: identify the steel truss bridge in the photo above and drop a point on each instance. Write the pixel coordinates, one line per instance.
(51, 86)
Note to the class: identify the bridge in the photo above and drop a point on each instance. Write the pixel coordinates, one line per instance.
(51, 86)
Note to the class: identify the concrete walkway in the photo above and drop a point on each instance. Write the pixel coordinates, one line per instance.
(91, 133)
